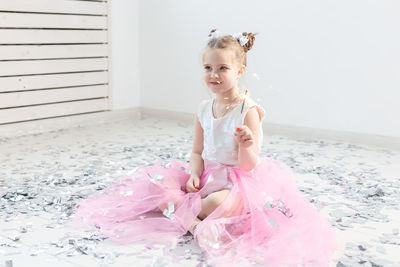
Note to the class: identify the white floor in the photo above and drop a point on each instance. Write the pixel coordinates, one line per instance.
(41, 177)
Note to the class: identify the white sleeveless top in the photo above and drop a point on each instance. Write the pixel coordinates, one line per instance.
(219, 140)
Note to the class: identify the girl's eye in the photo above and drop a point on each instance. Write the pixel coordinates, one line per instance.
(207, 67)
(224, 68)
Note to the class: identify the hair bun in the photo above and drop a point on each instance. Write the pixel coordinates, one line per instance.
(251, 37)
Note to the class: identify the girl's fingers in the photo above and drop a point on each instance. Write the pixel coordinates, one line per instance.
(194, 186)
(246, 136)
(190, 189)
(246, 140)
(239, 130)
(242, 128)
(244, 133)
(239, 138)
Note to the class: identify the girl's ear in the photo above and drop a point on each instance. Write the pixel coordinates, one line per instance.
(241, 70)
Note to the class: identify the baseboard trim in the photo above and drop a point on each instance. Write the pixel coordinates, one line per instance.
(371, 140)
(166, 114)
(58, 123)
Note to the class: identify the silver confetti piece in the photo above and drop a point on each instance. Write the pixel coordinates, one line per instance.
(185, 170)
(188, 254)
(284, 209)
(15, 237)
(273, 223)
(156, 178)
(127, 193)
(213, 244)
(269, 203)
(279, 204)
(170, 210)
(167, 165)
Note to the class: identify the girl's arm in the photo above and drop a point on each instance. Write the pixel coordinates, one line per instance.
(247, 136)
(196, 161)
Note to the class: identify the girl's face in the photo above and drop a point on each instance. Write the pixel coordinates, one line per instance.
(221, 72)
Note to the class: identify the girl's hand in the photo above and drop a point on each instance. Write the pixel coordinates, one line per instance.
(244, 136)
(193, 184)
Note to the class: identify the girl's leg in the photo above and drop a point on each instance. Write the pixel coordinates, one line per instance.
(211, 202)
(170, 183)
(208, 205)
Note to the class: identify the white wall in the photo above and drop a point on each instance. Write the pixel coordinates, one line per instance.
(125, 74)
(322, 64)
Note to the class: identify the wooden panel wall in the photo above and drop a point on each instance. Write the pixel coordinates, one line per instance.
(53, 58)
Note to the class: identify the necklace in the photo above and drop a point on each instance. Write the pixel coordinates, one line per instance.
(227, 108)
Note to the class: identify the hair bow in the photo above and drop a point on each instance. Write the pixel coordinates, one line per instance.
(241, 38)
(214, 34)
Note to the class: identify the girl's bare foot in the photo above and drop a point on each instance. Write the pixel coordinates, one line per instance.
(193, 227)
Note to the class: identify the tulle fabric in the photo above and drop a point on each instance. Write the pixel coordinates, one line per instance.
(264, 218)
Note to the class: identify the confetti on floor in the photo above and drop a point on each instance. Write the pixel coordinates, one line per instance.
(42, 176)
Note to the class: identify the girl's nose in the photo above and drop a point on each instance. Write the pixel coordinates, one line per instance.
(212, 74)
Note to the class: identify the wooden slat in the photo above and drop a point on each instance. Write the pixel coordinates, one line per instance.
(9, 68)
(10, 84)
(17, 36)
(55, 6)
(52, 110)
(53, 59)
(9, 52)
(26, 20)
(8, 100)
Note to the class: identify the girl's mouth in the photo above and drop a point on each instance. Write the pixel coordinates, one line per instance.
(216, 83)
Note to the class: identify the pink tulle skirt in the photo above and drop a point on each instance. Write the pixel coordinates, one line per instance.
(264, 218)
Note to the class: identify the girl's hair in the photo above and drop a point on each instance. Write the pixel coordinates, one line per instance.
(230, 42)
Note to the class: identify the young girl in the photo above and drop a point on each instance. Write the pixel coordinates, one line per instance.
(236, 204)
